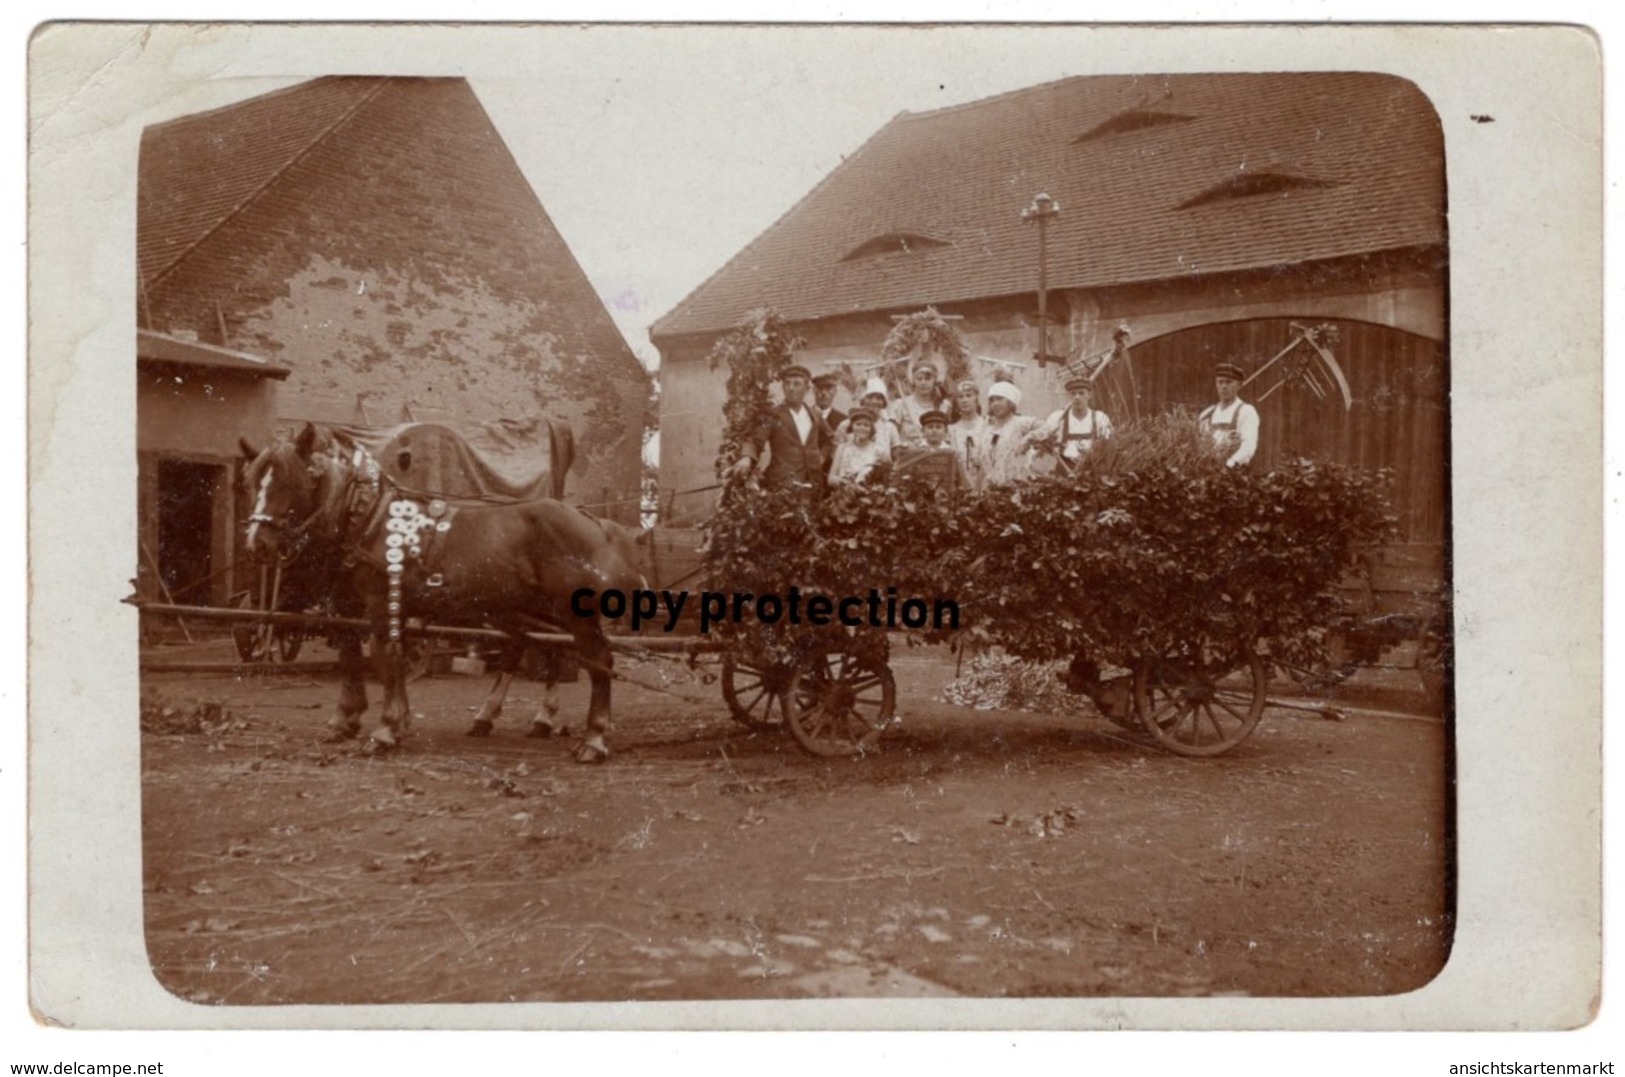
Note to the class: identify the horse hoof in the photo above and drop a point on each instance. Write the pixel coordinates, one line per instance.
(338, 733)
(480, 728)
(383, 738)
(591, 753)
(542, 730)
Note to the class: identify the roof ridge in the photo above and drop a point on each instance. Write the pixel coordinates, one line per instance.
(281, 91)
(829, 176)
(379, 82)
(1019, 92)
(1130, 76)
(541, 209)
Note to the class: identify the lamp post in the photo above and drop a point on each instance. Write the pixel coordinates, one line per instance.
(1042, 210)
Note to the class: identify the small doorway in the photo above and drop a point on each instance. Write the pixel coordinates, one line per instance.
(188, 496)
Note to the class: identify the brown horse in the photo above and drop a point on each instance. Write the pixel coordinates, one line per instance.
(390, 555)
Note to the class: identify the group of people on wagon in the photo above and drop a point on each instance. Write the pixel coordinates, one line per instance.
(811, 445)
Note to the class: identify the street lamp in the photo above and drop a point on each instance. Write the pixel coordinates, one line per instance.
(1043, 210)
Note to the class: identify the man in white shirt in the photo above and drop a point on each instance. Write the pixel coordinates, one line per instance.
(797, 443)
(1077, 428)
(1232, 421)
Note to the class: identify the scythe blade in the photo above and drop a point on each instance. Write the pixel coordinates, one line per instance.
(1326, 357)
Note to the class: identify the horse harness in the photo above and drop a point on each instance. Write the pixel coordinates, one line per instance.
(388, 527)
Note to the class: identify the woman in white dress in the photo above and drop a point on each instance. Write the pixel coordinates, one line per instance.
(1006, 456)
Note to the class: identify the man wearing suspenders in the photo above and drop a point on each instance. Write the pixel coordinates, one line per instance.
(1075, 429)
(1233, 421)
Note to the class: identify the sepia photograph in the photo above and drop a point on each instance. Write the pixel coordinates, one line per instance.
(765, 514)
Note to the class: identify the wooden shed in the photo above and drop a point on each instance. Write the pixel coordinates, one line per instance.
(193, 402)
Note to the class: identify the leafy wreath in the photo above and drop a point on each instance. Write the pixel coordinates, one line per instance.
(926, 332)
(756, 352)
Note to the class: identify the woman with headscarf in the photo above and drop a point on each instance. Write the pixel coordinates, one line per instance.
(1006, 457)
(967, 429)
(906, 410)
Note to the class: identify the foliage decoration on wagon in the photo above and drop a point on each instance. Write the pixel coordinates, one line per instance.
(881, 537)
(1151, 545)
(755, 352)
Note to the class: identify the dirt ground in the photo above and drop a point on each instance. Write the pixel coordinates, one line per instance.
(979, 853)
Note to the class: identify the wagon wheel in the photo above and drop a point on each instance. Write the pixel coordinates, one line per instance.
(288, 640)
(843, 702)
(756, 696)
(250, 642)
(1323, 676)
(1200, 702)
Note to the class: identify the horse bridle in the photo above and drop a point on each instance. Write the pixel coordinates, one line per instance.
(298, 535)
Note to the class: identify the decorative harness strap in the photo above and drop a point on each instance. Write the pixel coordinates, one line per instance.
(410, 534)
(387, 528)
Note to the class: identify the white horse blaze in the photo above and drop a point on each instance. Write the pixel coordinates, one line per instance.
(259, 508)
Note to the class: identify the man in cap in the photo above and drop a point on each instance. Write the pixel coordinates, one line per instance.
(1075, 429)
(798, 444)
(825, 386)
(934, 427)
(1232, 421)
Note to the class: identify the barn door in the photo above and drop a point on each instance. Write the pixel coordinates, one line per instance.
(1398, 419)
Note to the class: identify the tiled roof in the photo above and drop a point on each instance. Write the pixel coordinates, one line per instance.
(1146, 172)
(197, 171)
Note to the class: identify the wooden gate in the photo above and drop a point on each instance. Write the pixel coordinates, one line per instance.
(1399, 418)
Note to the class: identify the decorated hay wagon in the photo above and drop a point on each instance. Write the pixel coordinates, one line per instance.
(1170, 588)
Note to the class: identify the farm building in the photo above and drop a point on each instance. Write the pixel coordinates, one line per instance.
(374, 239)
(193, 401)
(1208, 214)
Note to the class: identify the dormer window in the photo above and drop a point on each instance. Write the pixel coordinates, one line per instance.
(1253, 184)
(1135, 119)
(895, 243)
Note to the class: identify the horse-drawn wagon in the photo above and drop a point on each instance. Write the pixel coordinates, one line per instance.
(1172, 590)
